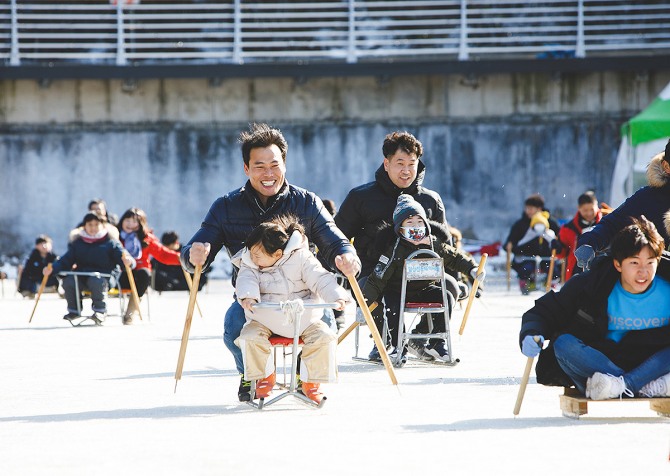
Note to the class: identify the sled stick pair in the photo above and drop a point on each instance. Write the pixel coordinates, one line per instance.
(524, 382)
(189, 281)
(373, 328)
(39, 293)
(133, 289)
(550, 274)
(354, 325)
(475, 285)
(187, 325)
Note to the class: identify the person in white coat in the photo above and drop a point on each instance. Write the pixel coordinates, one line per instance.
(276, 265)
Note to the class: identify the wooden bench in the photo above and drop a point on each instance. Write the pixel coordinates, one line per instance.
(574, 404)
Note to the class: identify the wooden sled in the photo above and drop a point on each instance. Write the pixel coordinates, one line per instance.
(574, 404)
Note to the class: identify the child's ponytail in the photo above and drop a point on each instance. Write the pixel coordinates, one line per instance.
(273, 235)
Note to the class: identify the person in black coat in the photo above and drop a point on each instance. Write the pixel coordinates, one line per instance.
(651, 201)
(531, 236)
(609, 327)
(31, 274)
(367, 206)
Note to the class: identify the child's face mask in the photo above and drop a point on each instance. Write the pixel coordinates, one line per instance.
(413, 233)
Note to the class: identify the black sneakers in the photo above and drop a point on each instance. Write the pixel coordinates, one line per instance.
(438, 351)
(374, 355)
(244, 391)
(99, 317)
(417, 348)
(70, 316)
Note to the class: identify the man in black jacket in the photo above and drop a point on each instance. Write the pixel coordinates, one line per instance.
(265, 195)
(368, 206)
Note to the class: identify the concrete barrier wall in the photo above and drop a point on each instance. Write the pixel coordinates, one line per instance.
(169, 146)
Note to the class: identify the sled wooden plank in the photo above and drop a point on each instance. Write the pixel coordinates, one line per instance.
(574, 404)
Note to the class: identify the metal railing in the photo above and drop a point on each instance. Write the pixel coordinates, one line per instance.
(236, 31)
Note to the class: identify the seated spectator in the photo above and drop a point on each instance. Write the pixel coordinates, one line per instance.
(91, 251)
(529, 238)
(329, 205)
(98, 205)
(138, 240)
(170, 277)
(588, 215)
(30, 275)
(609, 327)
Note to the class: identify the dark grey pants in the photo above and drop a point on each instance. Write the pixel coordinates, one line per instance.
(97, 286)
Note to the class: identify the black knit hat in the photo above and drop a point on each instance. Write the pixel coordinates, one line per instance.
(406, 208)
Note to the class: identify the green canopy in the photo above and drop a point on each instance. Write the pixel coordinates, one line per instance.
(651, 124)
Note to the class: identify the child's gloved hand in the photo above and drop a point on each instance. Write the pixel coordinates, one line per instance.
(531, 348)
(341, 303)
(584, 255)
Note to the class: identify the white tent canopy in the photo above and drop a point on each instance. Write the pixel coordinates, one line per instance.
(643, 136)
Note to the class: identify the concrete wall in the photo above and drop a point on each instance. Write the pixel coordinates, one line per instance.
(169, 146)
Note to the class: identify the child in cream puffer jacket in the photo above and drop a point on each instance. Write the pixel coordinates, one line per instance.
(277, 266)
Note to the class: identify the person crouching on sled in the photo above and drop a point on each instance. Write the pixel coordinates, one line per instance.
(276, 266)
(412, 231)
(610, 326)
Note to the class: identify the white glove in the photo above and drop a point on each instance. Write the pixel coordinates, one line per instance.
(479, 277)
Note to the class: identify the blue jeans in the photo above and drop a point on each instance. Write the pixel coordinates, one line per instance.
(235, 320)
(580, 362)
(232, 326)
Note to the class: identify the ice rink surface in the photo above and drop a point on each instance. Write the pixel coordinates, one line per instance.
(101, 401)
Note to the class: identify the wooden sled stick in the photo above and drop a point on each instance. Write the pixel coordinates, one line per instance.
(354, 325)
(189, 281)
(39, 293)
(373, 328)
(550, 275)
(475, 285)
(187, 325)
(524, 382)
(508, 265)
(133, 289)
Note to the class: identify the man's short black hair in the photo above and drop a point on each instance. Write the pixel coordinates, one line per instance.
(587, 197)
(169, 237)
(262, 135)
(403, 141)
(535, 200)
(42, 239)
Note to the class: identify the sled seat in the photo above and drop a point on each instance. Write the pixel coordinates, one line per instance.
(574, 404)
(285, 344)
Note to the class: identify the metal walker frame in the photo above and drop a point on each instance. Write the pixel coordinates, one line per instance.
(292, 390)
